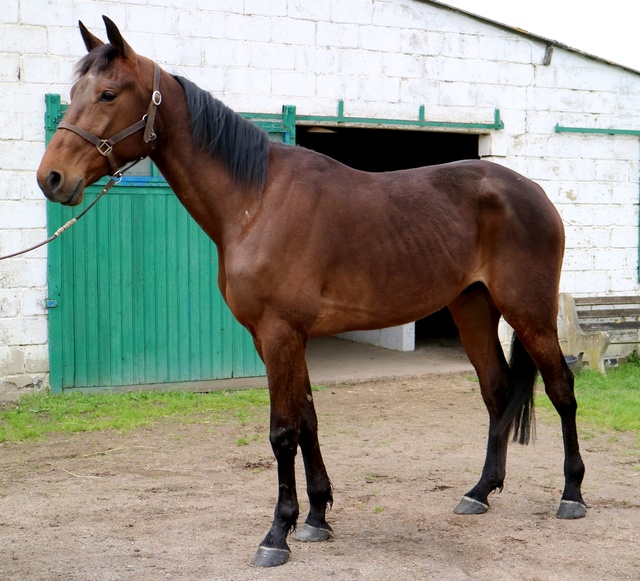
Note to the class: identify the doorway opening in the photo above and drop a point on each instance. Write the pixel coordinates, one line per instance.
(388, 150)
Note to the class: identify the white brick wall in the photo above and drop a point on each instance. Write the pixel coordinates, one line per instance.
(384, 58)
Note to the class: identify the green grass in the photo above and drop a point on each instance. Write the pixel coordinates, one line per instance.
(35, 416)
(611, 402)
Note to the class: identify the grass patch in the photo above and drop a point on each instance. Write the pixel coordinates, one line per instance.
(35, 416)
(610, 401)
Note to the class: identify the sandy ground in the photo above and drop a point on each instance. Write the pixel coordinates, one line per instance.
(187, 502)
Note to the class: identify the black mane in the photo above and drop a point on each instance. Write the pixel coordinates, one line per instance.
(100, 58)
(239, 144)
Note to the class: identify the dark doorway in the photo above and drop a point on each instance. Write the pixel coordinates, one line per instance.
(388, 150)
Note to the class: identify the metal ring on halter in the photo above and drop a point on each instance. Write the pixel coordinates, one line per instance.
(104, 148)
(156, 98)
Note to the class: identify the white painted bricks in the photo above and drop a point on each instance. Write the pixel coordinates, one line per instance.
(384, 58)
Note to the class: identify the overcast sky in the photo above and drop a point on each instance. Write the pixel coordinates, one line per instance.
(609, 29)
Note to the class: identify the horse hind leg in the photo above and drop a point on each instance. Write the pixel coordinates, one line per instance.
(558, 381)
(477, 319)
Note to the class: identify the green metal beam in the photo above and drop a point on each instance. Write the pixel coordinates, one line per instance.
(596, 130)
(421, 121)
(288, 118)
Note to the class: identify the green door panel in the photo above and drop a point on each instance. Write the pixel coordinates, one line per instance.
(136, 297)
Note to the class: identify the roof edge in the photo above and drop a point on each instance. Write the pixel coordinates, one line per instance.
(526, 33)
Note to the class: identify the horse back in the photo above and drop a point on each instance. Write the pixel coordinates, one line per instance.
(369, 250)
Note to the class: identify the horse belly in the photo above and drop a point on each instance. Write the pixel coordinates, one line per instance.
(380, 302)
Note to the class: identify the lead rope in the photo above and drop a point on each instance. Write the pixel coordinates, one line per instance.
(115, 179)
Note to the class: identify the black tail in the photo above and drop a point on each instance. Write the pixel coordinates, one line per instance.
(519, 412)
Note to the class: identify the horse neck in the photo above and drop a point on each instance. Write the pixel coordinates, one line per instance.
(202, 184)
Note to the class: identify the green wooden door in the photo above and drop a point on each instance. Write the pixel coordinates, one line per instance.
(132, 291)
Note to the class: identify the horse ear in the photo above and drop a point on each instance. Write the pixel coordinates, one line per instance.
(115, 38)
(90, 41)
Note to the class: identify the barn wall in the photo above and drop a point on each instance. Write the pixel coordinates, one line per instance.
(384, 58)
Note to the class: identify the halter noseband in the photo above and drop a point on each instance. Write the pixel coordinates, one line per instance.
(105, 146)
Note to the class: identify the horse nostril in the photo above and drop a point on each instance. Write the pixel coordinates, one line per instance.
(54, 179)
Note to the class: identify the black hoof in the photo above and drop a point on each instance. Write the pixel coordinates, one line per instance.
(570, 509)
(270, 557)
(469, 505)
(308, 534)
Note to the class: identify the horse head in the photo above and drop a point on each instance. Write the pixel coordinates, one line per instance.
(109, 122)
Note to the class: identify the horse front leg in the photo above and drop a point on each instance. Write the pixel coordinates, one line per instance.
(282, 351)
(315, 528)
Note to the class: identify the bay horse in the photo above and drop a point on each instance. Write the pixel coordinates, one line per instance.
(310, 247)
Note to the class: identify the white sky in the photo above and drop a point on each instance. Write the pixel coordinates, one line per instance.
(608, 29)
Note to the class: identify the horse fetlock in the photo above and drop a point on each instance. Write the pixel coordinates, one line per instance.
(317, 513)
(574, 469)
(287, 513)
(320, 494)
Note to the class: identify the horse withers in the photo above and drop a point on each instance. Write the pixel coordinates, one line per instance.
(310, 247)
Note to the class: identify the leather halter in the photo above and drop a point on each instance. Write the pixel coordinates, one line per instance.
(105, 146)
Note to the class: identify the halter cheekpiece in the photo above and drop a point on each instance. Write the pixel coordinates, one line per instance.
(105, 146)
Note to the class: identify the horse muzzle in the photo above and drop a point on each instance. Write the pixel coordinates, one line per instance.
(58, 189)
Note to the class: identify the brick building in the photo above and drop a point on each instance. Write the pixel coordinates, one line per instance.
(398, 82)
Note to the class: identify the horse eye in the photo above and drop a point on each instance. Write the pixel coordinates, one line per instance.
(107, 96)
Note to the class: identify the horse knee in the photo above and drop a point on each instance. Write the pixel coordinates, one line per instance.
(284, 439)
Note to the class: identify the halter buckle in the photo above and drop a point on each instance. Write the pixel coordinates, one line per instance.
(156, 98)
(104, 148)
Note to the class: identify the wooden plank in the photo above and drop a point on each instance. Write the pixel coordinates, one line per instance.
(622, 300)
(610, 326)
(86, 306)
(608, 313)
(138, 350)
(162, 274)
(54, 284)
(125, 257)
(117, 289)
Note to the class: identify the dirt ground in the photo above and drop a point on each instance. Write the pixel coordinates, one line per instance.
(187, 502)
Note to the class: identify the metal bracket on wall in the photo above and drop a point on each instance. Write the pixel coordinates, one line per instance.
(277, 124)
(611, 131)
